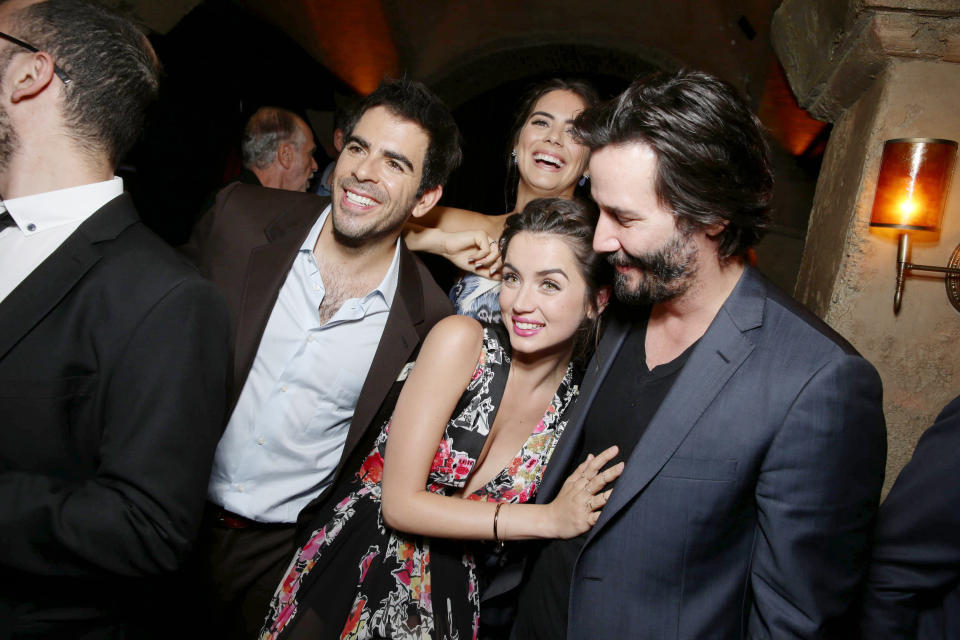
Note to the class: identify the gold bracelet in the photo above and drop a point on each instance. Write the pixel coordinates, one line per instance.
(496, 519)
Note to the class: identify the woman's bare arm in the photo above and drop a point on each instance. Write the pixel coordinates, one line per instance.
(453, 219)
(472, 251)
(457, 235)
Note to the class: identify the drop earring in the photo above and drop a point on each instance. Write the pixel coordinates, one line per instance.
(583, 179)
(513, 154)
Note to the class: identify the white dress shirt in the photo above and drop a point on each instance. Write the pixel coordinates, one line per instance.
(43, 222)
(287, 432)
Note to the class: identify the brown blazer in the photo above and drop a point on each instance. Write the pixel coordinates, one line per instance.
(246, 244)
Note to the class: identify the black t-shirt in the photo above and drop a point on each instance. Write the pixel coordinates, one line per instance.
(625, 403)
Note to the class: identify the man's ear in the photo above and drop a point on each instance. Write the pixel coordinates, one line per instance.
(714, 230)
(427, 200)
(600, 301)
(30, 76)
(285, 154)
(338, 139)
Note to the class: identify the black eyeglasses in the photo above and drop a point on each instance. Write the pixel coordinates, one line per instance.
(29, 47)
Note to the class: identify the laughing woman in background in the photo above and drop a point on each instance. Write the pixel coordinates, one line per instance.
(545, 161)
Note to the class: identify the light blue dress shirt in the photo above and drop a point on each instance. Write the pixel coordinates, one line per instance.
(287, 432)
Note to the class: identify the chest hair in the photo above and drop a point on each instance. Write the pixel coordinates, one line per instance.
(340, 285)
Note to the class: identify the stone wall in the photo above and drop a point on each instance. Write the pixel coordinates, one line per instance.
(879, 72)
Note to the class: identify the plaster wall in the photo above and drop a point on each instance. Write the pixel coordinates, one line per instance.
(848, 270)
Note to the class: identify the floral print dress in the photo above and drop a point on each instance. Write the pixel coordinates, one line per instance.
(477, 297)
(355, 578)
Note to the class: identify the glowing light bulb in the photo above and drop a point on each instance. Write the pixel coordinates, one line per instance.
(908, 208)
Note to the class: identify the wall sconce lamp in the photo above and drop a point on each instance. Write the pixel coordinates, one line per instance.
(911, 193)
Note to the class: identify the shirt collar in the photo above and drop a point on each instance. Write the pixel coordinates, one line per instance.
(387, 287)
(43, 211)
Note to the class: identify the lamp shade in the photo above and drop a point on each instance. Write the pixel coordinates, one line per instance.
(912, 187)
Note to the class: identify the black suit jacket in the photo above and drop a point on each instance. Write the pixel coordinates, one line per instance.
(913, 589)
(113, 366)
(246, 245)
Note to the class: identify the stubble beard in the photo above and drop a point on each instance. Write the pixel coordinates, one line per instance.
(388, 223)
(9, 140)
(665, 273)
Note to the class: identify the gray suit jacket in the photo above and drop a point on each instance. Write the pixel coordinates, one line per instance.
(745, 509)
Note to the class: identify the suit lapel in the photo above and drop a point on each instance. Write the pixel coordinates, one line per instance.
(56, 276)
(399, 340)
(720, 352)
(597, 370)
(267, 270)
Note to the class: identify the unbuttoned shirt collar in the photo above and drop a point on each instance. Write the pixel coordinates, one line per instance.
(287, 432)
(387, 287)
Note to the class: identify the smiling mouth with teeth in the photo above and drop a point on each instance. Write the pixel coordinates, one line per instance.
(553, 161)
(357, 199)
(527, 325)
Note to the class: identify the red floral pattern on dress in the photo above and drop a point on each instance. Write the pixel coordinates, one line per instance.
(393, 594)
(372, 468)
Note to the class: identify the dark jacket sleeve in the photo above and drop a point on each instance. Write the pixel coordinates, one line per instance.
(817, 497)
(162, 416)
(916, 555)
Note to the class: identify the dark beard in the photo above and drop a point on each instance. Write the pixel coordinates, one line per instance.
(9, 142)
(666, 272)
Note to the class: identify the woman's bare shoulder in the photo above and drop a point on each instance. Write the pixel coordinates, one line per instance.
(455, 333)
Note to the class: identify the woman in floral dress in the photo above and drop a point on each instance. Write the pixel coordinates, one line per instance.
(384, 557)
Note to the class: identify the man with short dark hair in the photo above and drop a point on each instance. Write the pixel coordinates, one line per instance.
(113, 350)
(753, 434)
(278, 149)
(329, 307)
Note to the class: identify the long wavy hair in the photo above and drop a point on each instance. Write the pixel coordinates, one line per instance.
(529, 100)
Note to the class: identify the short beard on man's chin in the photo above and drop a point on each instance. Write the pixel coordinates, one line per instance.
(352, 242)
(364, 237)
(665, 273)
(648, 292)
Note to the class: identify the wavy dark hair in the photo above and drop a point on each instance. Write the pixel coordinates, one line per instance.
(413, 101)
(573, 221)
(713, 163)
(529, 100)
